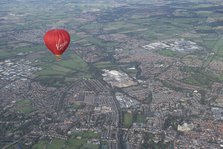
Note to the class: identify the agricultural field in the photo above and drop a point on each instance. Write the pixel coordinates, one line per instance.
(61, 73)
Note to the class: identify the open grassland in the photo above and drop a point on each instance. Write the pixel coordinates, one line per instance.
(40, 145)
(24, 106)
(201, 78)
(127, 119)
(78, 140)
(65, 71)
(105, 65)
(139, 118)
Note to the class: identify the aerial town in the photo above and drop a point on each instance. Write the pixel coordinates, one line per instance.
(131, 78)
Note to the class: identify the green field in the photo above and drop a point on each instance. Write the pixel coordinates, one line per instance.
(85, 134)
(127, 119)
(99, 42)
(75, 38)
(55, 144)
(75, 106)
(105, 65)
(139, 118)
(24, 106)
(40, 145)
(201, 78)
(75, 63)
(167, 52)
(60, 73)
(53, 70)
(90, 146)
(10, 49)
(218, 47)
(91, 26)
(73, 142)
(6, 54)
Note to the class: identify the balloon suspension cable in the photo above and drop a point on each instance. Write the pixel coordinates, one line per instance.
(58, 58)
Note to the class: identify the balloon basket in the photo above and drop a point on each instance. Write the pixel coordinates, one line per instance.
(58, 58)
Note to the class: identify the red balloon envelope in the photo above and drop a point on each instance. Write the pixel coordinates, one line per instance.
(57, 41)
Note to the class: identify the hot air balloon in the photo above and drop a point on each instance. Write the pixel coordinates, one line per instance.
(57, 41)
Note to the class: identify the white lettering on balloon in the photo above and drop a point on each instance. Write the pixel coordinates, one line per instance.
(60, 46)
